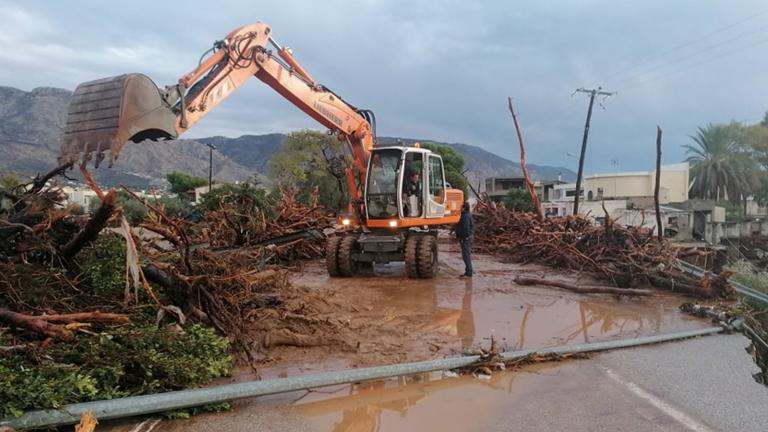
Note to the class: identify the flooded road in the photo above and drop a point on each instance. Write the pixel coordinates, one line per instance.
(417, 319)
(400, 319)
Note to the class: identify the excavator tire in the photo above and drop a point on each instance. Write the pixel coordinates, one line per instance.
(346, 248)
(427, 257)
(411, 254)
(332, 255)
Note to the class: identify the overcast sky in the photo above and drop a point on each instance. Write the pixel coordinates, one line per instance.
(437, 69)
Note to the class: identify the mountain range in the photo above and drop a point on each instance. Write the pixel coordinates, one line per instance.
(31, 124)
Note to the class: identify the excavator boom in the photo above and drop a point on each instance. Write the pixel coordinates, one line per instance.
(105, 114)
(396, 208)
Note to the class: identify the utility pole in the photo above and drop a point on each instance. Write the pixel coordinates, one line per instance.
(658, 184)
(592, 93)
(211, 148)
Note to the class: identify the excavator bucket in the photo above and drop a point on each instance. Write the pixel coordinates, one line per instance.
(107, 113)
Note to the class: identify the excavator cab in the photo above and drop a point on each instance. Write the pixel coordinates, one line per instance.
(105, 114)
(406, 200)
(405, 187)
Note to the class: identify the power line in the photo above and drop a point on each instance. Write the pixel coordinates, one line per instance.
(694, 54)
(690, 66)
(687, 44)
(566, 108)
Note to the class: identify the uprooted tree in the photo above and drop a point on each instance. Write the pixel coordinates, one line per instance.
(90, 290)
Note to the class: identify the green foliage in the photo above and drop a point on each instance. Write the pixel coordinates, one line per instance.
(9, 181)
(133, 210)
(453, 164)
(757, 138)
(176, 207)
(747, 274)
(182, 184)
(104, 265)
(302, 164)
(721, 166)
(518, 199)
(244, 197)
(128, 361)
(189, 412)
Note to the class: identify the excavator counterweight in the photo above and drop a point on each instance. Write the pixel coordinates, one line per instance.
(105, 114)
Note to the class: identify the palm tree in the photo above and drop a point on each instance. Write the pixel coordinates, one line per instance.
(720, 165)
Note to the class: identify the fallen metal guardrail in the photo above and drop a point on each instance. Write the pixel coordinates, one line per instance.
(740, 288)
(149, 404)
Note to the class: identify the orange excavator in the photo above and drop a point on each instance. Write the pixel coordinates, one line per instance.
(398, 195)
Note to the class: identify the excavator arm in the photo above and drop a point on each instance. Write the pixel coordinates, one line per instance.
(105, 114)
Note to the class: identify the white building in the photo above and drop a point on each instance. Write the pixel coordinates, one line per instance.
(79, 195)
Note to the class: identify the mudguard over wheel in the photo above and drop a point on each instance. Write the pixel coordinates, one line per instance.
(332, 255)
(346, 249)
(427, 257)
(411, 254)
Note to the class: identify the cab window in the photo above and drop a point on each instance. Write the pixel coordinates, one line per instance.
(436, 180)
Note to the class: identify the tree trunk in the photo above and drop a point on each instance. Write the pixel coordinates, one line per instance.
(524, 167)
(521, 280)
(658, 185)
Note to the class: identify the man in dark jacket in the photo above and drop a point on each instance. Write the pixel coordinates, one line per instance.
(464, 231)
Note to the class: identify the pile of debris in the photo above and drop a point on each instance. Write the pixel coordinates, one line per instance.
(624, 256)
(291, 230)
(88, 281)
(228, 270)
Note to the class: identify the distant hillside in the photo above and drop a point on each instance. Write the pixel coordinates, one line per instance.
(252, 151)
(31, 124)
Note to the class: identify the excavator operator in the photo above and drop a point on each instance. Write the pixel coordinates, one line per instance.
(412, 195)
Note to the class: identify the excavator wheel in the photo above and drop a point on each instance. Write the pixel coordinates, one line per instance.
(427, 257)
(332, 255)
(411, 255)
(346, 248)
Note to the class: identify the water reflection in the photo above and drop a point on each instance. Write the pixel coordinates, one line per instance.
(367, 406)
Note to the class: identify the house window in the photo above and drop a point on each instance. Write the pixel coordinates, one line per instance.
(599, 193)
(590, 196)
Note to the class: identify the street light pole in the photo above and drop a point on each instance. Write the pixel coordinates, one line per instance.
(211, 148)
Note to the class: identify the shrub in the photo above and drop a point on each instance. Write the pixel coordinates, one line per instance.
(126, 361)
(104, 265)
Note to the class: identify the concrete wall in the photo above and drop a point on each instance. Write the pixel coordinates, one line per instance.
(682, 221)
(718, 214)
(673, 187)
(754, 209)
(716, 232)
(617, 186)
(675, 183)
(594, 209)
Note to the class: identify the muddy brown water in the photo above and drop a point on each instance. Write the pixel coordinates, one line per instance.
(400, 319)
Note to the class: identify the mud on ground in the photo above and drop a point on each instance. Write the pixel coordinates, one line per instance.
(385, 318)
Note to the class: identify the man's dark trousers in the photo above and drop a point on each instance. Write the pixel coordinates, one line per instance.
(466, 254)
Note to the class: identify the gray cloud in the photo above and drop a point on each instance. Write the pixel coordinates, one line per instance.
(437, 69)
